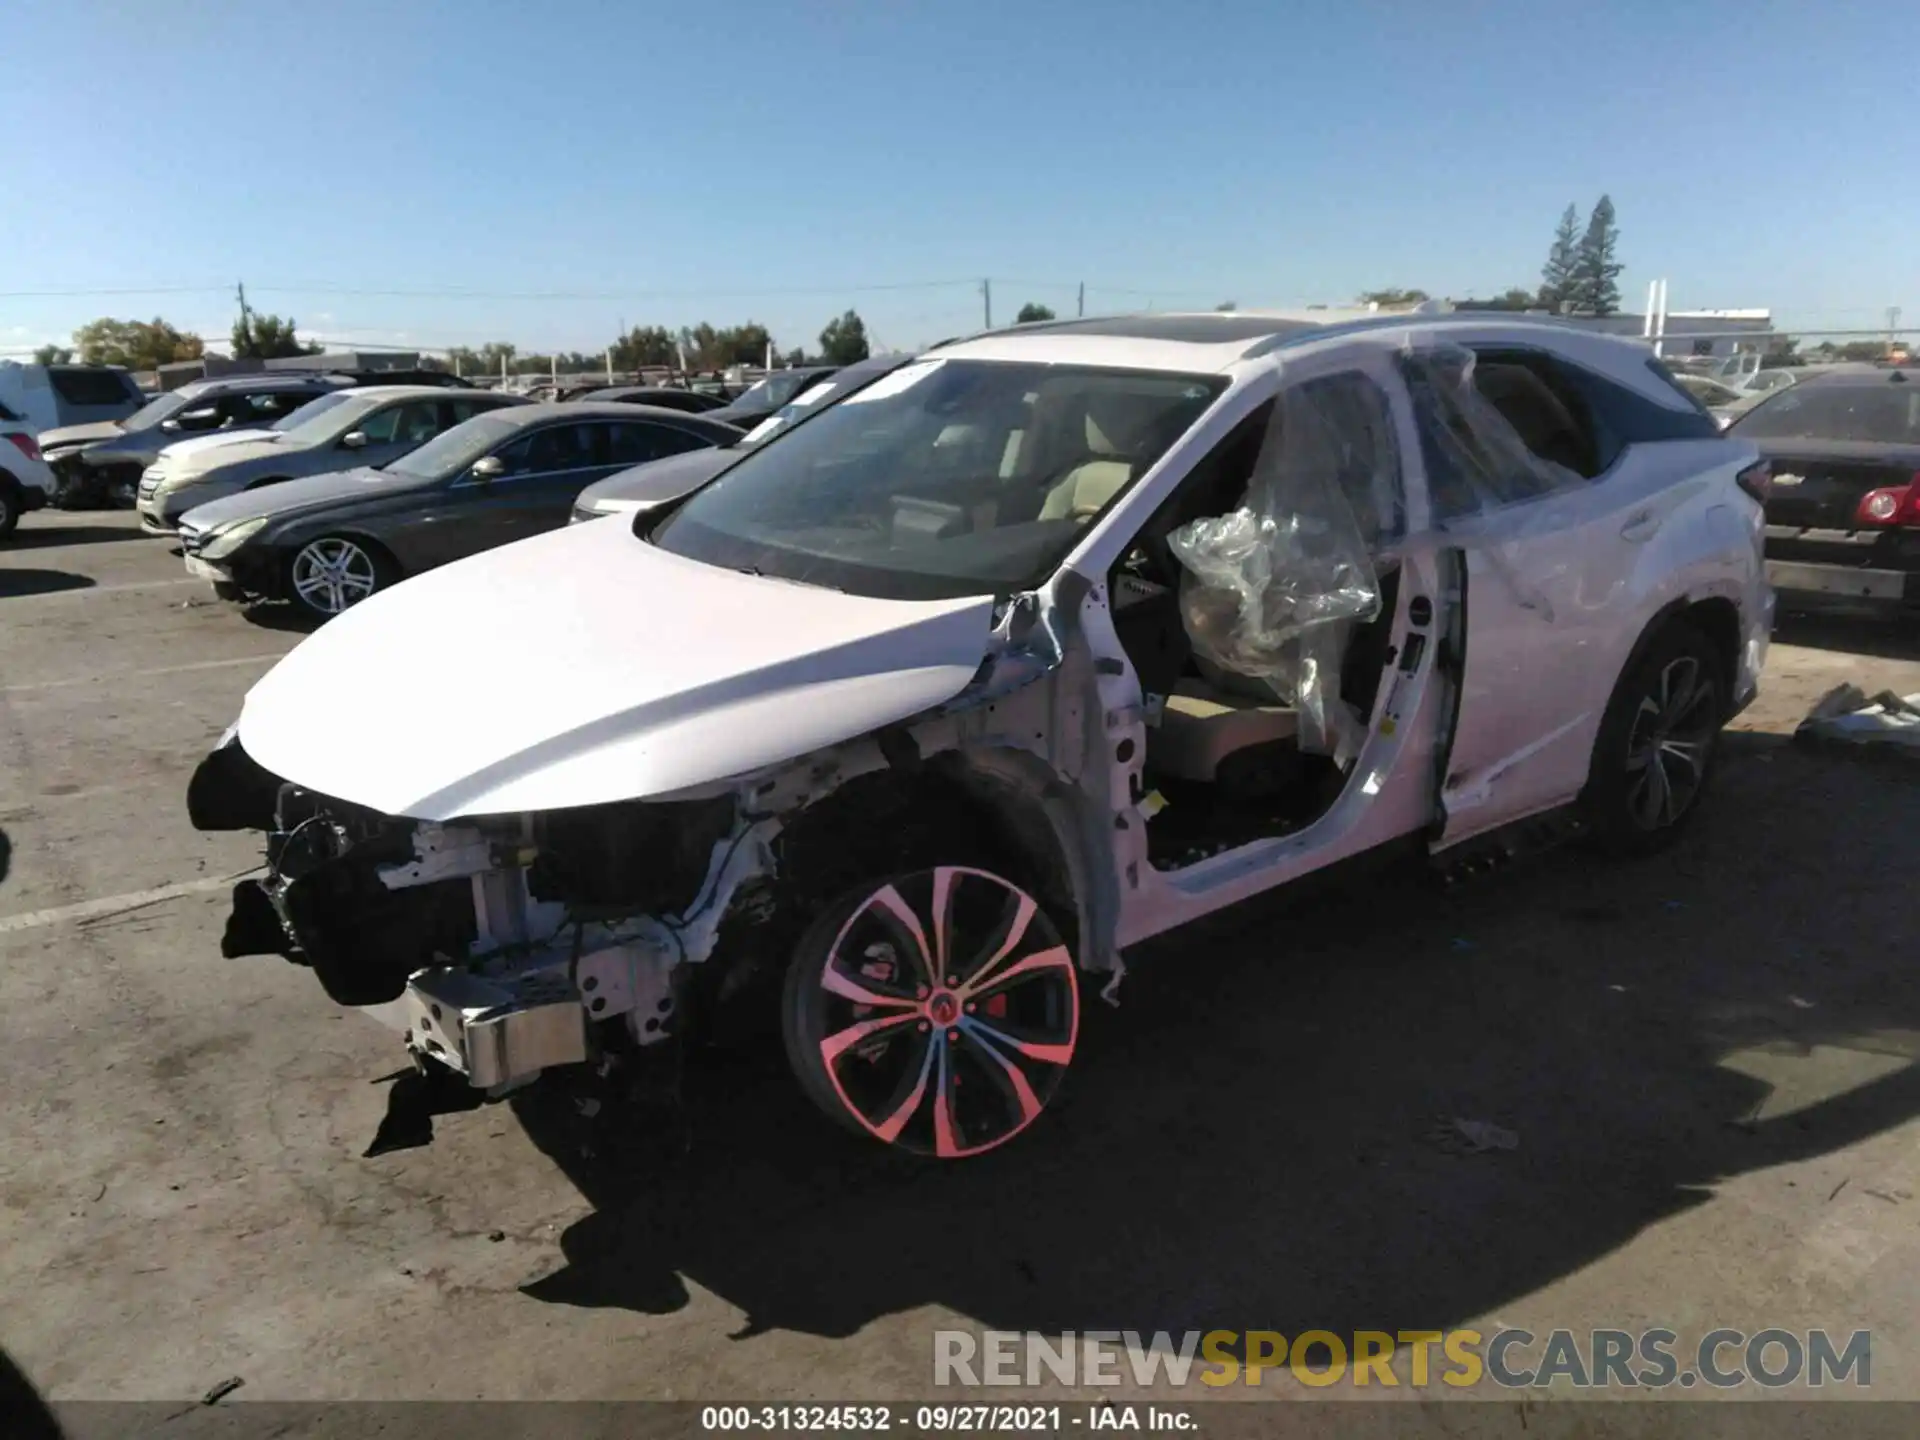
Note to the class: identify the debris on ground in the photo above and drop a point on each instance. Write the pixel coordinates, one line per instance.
(1473, 1137)
(1847, 715)
(222, 1390)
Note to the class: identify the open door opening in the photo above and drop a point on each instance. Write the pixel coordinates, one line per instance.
(1260, 610)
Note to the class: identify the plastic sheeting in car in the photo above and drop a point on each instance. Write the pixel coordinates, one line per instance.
(1475, 459)
(1273, 588)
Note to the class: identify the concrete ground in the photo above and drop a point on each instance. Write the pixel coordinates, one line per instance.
(1708, 1062)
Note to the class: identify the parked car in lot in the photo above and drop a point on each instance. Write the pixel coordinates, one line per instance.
(1725, 403)
(98, 464)
(664, 397)
(54, 397)
(25, 481)
(646, 486)
(1843, 515)
(329, 541)
(366, 428)
(767, 394)
(1046, 643)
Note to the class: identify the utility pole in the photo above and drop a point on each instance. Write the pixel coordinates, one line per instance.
(986, 296)
(1893, 326)
(246, 315)
(1080, 309)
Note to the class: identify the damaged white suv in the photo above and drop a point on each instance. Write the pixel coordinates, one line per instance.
(1046, 643)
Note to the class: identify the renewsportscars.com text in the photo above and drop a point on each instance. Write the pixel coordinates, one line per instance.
(1509, 1358)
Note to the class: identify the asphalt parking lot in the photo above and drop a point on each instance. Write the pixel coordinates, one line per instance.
(1708, 1061)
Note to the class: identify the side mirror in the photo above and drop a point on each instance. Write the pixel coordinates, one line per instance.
(488, 467)
(353, 440)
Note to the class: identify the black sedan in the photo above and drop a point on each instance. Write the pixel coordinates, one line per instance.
(665, 397)
(768, 394)
(1843, 516)
(329, 541)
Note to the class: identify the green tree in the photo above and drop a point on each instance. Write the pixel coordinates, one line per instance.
(136, 344)
(1596, 268)
(644, 345)
(1513, 299)
(1557, 275)
(793, 357)
(52, 355)
(844, 341)
(1782, 350)
(267, 337)
(484, 361)
(1227, 305)
(1030, 312)
(1387, 299)
(744, 344)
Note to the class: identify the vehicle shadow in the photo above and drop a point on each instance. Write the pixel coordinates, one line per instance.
(276, 615)
(1261, 1133)
(6, 856)
(1851, 633)
(51, 537)
(17, 583)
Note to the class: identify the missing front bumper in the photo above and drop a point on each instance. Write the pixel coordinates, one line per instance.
(498, 1032)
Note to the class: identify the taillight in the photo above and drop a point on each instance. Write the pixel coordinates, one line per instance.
(1757, 480)
(1891, 505)
(29, 447)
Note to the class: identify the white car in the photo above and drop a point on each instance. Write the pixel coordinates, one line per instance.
(1047, 643)
(25, 481)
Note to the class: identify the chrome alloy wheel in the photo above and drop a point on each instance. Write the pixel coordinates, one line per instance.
(1667, 747)
(331, 574)
(937, 1012)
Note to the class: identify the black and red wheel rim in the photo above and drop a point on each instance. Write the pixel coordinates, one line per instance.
(944, 1012)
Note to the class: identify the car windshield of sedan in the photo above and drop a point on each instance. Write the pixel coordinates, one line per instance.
(295, 425)
(452, 452)
(773, 390)
(1862, 414)
(946, 478)
(158, 409)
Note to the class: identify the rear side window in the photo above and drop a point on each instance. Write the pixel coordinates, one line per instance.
(82, 386)
(635, 444)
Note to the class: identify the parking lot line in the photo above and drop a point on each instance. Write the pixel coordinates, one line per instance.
(114, 904)
(141, 674)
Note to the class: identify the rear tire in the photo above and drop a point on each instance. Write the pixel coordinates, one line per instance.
(1655, 751)
(10, 506)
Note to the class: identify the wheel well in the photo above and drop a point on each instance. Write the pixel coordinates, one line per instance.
(1719, 620)
(380, 553)
(941, 810)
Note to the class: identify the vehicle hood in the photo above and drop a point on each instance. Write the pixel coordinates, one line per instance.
(296, 497)
(241, 449)
(586, 666)
(184, 450)
(81, 434)
(660, 480)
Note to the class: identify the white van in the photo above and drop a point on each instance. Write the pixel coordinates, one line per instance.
(52, 397)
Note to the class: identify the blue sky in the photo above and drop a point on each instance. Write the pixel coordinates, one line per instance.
(541, 172)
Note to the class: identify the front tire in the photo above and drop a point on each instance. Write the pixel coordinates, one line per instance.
(936, 1010)
(336, 572)
(1656, 745)
(10, 507)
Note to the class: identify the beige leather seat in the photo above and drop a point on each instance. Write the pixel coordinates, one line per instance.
(1203, 724)
(1086, 490)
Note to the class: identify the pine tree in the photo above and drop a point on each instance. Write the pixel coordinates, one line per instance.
(1556, 276)
(1596, 273)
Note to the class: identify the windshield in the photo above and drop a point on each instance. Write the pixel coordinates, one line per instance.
(158, 409)
(1884, 414)
(803, 404)
(774, 390)
(311, 411)
(945, 478)
(453, 451)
